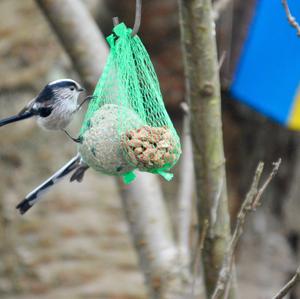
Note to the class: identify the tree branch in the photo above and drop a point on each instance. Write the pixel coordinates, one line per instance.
(218, 7)
(251, 202)
(292, 20)
(186, 190)
(79, 35)
(290, 284)
(203, 92)
(257, 199)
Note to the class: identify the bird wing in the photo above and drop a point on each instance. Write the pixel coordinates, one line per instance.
(28, 107)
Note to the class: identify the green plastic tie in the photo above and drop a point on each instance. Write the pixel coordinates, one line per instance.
(129, 177)
(168, 176)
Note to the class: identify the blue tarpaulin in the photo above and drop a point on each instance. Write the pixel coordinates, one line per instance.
(268, 74)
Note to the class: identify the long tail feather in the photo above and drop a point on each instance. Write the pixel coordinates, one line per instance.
(34, 196)
(15, 118)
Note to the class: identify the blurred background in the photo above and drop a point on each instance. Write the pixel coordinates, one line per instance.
(75, 243)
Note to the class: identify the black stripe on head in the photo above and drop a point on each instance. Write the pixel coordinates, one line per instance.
(48, 92)
(64, 83)
(45, 95)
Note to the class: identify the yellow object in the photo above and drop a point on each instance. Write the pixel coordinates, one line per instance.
(294, 120)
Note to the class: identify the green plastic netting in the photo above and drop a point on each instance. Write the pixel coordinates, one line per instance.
(126, 126)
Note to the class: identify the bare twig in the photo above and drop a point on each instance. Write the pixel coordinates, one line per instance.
(198, 253)
(292, 20)
(185, 190)
(257, 198)
(251, 202)
(221, 60)
(218, 7)
(199, 247)
(203, 235)
(290, 284)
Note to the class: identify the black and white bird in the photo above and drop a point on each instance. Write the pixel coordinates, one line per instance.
(54, 106)
(75, 165)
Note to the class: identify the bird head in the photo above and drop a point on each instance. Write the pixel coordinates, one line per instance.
(65, 88)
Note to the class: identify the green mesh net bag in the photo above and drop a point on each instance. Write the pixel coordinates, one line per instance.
(126, 126)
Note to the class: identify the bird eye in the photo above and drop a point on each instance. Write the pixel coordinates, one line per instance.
(72, 88)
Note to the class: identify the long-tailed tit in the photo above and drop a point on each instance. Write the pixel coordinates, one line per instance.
(53, 107)
(75, 165)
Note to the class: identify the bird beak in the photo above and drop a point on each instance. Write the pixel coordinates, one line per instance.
(80, 89)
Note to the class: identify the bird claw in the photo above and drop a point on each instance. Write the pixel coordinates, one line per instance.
(77, 140)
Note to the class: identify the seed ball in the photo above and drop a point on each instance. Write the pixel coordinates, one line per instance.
(150, 148)
(101, 146)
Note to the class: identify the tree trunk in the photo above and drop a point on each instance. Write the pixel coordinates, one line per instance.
(167, 276)
(203, 87)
